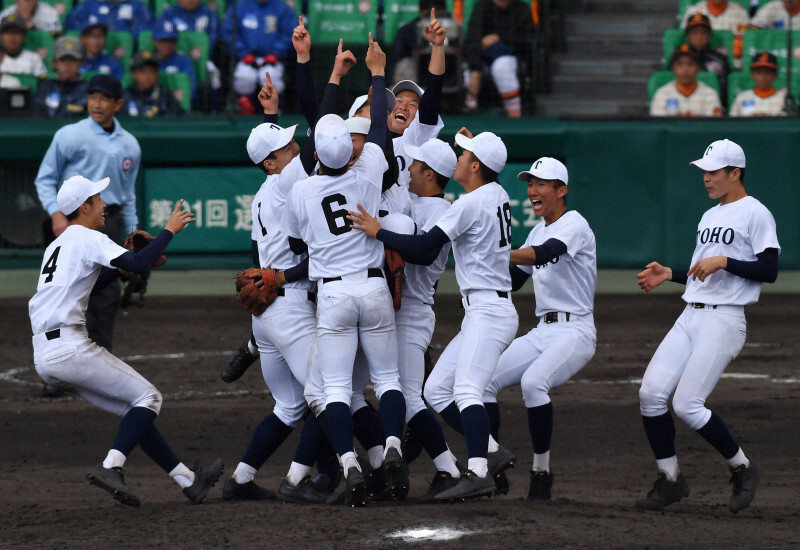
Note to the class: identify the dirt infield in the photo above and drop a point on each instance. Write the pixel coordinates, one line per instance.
(600, 456)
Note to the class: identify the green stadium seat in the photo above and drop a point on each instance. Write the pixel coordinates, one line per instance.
(120, 45)
(721, 41)
(193, 44)
(659, 78)
(181, 87)
(396, 14)
(42, 43)
(331, 20)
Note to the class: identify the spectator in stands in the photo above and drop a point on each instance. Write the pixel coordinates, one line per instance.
(499, 38)
(165, 40)
(66, 95)
(13, 32)
(146, 97)
(763, 99)
(93, 38)
(7, 81)
(685, 96)
(722, 14)
(117, 15)
(698, 34)
(37, 15)
(775, 15)
(264, 38)
(410, 41)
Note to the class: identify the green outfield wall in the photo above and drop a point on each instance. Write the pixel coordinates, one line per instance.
(631, 179)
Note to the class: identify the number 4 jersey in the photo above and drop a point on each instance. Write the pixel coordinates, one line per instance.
(479, 224)
(72, 263)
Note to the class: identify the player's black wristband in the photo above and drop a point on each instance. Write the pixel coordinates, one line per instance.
(297, 273)
(764, 269)
(416, 249)
(518, 277)
(680, 276)
(548, 250)
(431, 101)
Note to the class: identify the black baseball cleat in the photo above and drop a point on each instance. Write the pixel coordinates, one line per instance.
(664, 493)
(395, 471)
(204, 479)
(469, 486)
(442, 481)
(338, 494)
(113, 481)
(745, 481)
(356, 494)
(500, 460)
(303, 493)
(541, 485)
(245, 491)
(501, 482)
(238, 363)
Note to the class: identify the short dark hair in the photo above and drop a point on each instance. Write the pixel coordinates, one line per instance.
(327, 171)
(729, 169)
(72, 215)
(487, 173)
(441, 180)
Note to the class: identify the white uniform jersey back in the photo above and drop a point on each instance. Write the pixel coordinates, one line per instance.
(734, 18)
(669, 101)
(268, 232)
(479, 224)
(316, 212)
(421, 279)
(416, 134)
(70, 267)
(738, 230)
(773, 15)
(749, 103)
(567, 282)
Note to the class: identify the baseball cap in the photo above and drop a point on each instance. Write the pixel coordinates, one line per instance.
(362, 99)
(546, 168)
(683, 49)
(436, 154)
(698, 20)
(488, 147)
(404, 85)
(106, 84)
(358, 125)
(332, 140)
(766, 60)
(13, 21)
(720, 154)
(164, 30)
(91, 23)
(266, 138)
(76, 190)
(142, 58)
(68, 46)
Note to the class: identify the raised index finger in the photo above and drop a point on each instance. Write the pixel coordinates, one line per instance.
(433, 14)
(301, 24)
(178, 206)
(339, 49)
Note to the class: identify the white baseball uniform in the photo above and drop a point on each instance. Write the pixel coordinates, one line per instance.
(712, 328)
(285, 332)
(733, 18)
(774, 16)
(669, 101)
(749, 103)
(62, 351)
(565, 338)
(479, 225)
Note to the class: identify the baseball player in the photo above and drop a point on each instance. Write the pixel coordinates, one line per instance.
(479, 226)
(723, 15)
(778, 14)
(354, 306)
(72, 266)
(737, 249)
(763, 99)
(560, 254)
(685, 96)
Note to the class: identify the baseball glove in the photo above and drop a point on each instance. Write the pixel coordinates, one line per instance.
(395, 269)
(138, 240)
(256, 289)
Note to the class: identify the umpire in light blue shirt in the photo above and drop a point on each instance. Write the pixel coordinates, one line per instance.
(95, 148)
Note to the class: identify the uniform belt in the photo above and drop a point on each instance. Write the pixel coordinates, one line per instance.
(311, 296)
(552, 317)
(500, 294)
(371, 272)
(700, 305)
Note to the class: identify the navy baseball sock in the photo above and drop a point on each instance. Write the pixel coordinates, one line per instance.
(716, 432)
(493, 410)
(132, 429)
(452, 416)
(367, 427)
(660, 432)
(311, 437)
(429, 432)
(540, 423)
(269, 435)
(156, 447)
(340, 423)
(476, 431)
(393, 413)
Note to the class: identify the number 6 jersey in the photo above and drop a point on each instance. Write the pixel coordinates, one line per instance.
(71, 265)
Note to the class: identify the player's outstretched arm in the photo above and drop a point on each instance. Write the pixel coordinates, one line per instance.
(301, 40)
(366, 223)
(268, 97)
(342, 63)
(523, 256)
(435, 33)
(653, 275)
(179, 219)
